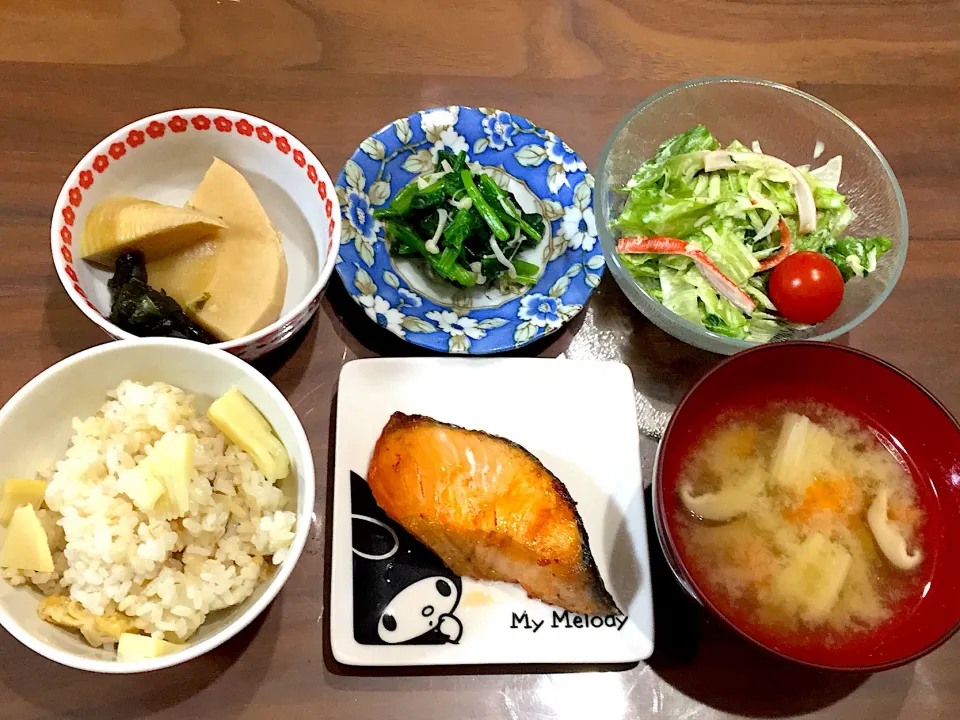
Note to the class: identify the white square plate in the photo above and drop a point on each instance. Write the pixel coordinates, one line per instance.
(579, 419)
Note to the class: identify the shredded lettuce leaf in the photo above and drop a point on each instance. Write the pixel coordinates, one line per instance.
(763, 326)
(732, 214)
(679, 295)
(696, 138)
(857, 257)
(729, 251)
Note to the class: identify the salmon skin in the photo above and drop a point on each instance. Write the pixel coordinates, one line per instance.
(488, 508)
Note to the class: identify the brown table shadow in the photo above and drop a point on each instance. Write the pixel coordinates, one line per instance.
(701, 657)
(65, 326)
(64, 692)
(289, 362)
(338, 669)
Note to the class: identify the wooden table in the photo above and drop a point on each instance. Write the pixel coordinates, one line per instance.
(331, 71)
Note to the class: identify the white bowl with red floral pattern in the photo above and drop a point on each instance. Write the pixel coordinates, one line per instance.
(163, 158)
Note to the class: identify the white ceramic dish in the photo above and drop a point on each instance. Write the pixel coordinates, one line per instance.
(35, 427)
(163, 158)
(599, 462)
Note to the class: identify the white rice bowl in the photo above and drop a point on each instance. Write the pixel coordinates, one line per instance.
(166, 575)
(195, 580)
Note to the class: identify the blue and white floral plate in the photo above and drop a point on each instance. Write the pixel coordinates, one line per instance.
(400, 294)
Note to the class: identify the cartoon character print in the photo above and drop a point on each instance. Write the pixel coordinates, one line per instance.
(402, 592)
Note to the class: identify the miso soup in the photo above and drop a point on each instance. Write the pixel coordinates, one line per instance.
(800, 520)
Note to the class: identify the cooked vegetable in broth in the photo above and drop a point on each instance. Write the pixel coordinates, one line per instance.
(799, 518)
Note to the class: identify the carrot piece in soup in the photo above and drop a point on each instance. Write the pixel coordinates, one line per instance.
(835, 495)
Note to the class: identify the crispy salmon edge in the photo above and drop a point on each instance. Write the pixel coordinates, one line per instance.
(400, 420)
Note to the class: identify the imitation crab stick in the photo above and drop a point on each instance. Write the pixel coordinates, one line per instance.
(673, 246)
(781, 254)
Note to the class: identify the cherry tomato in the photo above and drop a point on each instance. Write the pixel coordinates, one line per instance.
(806, 287)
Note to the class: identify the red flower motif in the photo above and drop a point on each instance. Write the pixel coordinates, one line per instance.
(201, 122)
(75, 196)
(156, 129)
(263, 132)
(66, 235)
(67, 255)
(312, 173)
(331, 227)
(298, 158)
(71, 273)
(283, 145)
(222, 124)
(177, 124)
(322, 189)
(328, 207)
(86, 179)
(135, 138)
(80, 291)
(117, 150)
(68, 215)
(100, 163)
(244, 127)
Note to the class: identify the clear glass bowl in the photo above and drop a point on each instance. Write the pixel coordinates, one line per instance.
(788, 124)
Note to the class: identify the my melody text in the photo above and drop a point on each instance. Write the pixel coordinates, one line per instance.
(566, 619)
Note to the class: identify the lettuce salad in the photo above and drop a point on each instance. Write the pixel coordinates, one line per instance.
(703, 227)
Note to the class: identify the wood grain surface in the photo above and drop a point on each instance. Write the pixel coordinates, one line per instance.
(332, 71)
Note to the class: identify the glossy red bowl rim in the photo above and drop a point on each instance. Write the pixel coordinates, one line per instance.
(672, 555)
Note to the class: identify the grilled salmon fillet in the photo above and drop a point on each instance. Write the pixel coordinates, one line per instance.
(488, 509)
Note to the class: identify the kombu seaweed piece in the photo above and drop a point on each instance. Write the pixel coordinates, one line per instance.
(144, 311)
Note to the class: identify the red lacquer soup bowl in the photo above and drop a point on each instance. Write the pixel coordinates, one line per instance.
(903, 414)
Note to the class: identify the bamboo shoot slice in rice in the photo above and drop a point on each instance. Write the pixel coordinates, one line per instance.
(141, 487)
(132, 647)
(161, 481)
(171, 463)
(26, 546)
(239, 420)
(20, 492)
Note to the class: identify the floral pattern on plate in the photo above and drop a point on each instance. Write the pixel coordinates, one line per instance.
(515, 153)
